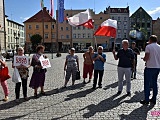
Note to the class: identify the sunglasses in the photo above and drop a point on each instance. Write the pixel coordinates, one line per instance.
(20, 50)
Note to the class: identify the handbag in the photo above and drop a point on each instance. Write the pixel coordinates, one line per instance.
(78, 77)
(16, 77)
(4, 74)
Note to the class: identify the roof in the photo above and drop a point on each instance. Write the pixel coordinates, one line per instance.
(15, 22)
(119, 10)
(38, 17)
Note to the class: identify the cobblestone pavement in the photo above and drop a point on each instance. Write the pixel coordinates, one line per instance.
(80, 102)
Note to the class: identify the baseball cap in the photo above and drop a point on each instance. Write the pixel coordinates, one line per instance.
(73, 49)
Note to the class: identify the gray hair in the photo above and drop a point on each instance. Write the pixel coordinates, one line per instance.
(100, 47)
(125, 41)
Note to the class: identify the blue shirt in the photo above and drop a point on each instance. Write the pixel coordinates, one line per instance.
(126, 58)
(99, 64)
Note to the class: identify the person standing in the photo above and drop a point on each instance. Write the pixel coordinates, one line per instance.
(88, 64)
(71, 66)
(38, 75)
(24, 74)
(99, 58)
(4, 82)
(126, 57)
(136, 52)
(152, 69)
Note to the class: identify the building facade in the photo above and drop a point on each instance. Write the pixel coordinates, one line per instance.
(14, 34)
(141, 26)
(156, 28)
(2, 25)
(43, 24)
(122, 17)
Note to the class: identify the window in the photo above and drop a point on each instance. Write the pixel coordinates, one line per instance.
(67, 36)
(53, 35)
(11, 31)
(148, 25)
(125, 35)
(29, 27)
(119, 18)
(8, 39)
(79, 27)
(52, 26)
(62, 37)
(125, 26)
(74, 35)
(46, 26)
(83, 28)
(37, 26)
(84, 35)
(74, 28)
(125, 18)
(143, 24)
(8, 23)
(8, 31)
(29, 36)
(79, 35)
(67, 28)
(46, 35)
(62, 28)
(89, 35)
(112, 18)
(101, 18)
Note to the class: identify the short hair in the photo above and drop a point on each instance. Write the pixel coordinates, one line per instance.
(20, 48)
(100, 47)
(90, 47)
(153, 38)
(133, 43)
(125, 41)
(39, 47)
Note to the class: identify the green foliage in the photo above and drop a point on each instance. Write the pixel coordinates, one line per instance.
(35, 40)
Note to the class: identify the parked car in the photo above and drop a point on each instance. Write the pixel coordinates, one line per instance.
(84, 49)
(10, 53)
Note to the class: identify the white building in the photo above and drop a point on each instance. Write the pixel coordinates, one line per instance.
(14, 34)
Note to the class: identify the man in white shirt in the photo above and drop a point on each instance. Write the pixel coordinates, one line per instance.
(152, 69)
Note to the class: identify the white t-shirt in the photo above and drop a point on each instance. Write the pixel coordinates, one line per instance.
(154, 55)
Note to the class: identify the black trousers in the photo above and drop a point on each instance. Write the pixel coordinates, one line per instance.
(96, 72)
(18, 86)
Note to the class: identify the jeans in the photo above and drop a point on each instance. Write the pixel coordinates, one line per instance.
(150, 78)
(96, 72)
(5, 87)
(24, 86)
(121, 72)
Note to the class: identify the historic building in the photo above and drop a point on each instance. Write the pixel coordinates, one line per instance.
(2, 25)
(43, 24)
(122, 17)
(14, 34)
(156, 28)
(140, 26)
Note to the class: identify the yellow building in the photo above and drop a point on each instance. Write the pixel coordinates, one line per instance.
(43, 24)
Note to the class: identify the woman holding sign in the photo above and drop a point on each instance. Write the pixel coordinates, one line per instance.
(38, 76)
(21, 62)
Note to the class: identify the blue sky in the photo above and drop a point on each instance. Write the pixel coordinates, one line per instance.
(20, 10)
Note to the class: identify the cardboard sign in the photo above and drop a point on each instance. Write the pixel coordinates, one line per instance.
(45, 63)
(21, 60)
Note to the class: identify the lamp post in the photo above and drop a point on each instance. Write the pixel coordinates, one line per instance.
(16, 38)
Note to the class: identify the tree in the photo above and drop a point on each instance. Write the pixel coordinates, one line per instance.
(35, 40)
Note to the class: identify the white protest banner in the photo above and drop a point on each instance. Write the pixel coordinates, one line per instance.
(45, 62)
(21, 60)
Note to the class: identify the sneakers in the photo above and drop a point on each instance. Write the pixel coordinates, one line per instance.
(119, 92)
(144, 102)
(128, 93)
(42, 93)
(5, 99)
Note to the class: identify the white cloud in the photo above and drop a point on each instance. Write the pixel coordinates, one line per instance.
(155, 11)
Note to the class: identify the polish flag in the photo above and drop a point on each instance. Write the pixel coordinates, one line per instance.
(107, 28)
(51, 12)
(81, 19)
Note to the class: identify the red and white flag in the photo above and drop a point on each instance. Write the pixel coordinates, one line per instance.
(51, 12)
(81, 19)
(107, 28)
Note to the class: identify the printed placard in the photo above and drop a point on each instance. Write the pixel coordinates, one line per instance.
(21, 60)
(45, 63)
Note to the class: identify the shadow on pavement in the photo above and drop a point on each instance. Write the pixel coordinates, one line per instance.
(137, 114)
(79, 94)
(14, 118)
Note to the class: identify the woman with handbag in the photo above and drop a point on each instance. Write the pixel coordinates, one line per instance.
(24, 74)
(88, 64)
(72, 64)
(38, 75)
(3, 81)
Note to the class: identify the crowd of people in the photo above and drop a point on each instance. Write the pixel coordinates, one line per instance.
(94, 66)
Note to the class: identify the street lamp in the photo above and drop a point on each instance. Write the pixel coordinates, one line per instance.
(16, 37)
